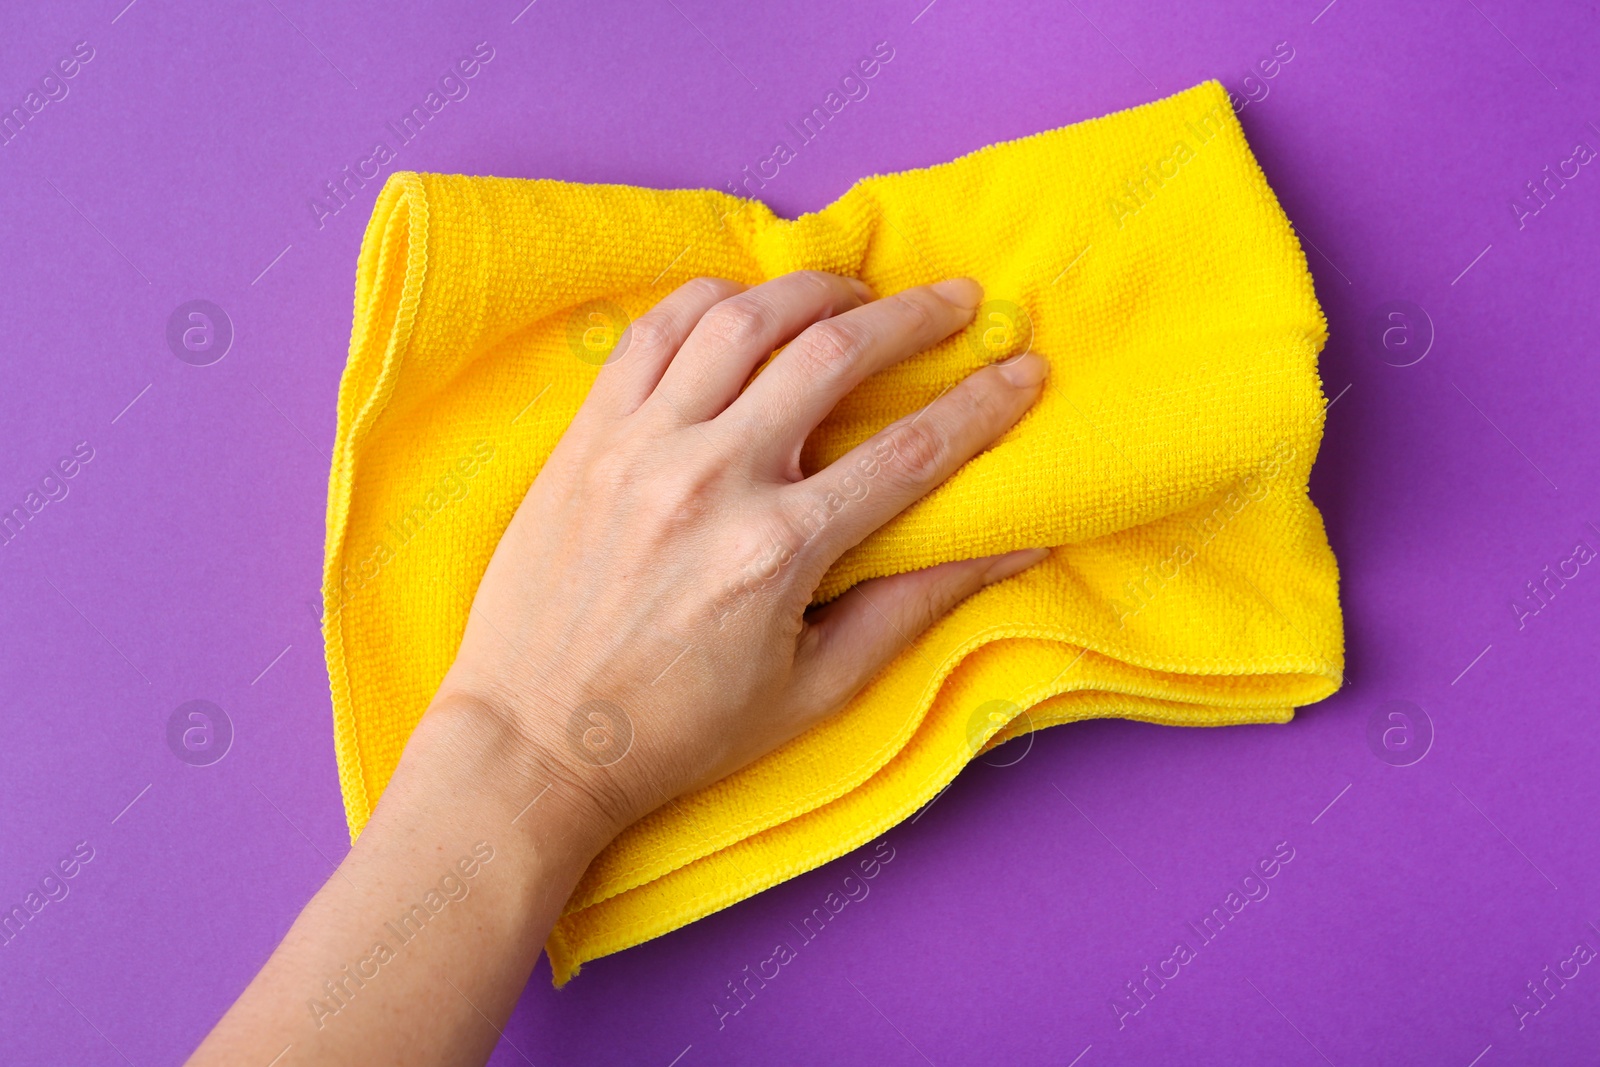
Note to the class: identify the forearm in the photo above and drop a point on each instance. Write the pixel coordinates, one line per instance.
(417, 947)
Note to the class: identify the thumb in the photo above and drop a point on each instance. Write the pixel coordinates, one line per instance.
(848, 641)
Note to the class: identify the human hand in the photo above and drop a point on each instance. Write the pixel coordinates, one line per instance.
(652, 594)
(644, 626)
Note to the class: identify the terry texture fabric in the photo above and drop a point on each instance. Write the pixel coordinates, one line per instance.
(1191, 581)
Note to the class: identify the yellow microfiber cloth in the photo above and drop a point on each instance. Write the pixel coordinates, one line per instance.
(1191, 582)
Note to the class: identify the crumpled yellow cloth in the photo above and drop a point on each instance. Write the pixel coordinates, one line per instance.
(1191, 581)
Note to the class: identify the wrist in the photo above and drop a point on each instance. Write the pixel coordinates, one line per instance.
(493, 760)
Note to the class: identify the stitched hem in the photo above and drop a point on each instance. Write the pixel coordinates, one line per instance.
(567, 957)
(364, 391)
(661, 863)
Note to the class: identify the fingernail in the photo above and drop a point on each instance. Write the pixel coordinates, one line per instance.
(1013, 563)
(863, 290)
(1025, 371)
(962, 292)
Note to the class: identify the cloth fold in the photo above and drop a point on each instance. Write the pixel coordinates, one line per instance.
(1190, 582)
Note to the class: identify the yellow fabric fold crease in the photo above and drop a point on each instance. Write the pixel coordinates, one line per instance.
(1190, 583)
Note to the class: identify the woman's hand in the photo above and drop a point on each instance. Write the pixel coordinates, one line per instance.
(643, 628)
(643, 624)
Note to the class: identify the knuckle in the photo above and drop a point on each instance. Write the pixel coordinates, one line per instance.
(916, 310)
(706, 290)
(720, 288)
(918, 450)
(755, 562)
(982, 403)
(615, 471)
(681, 497)
(738, 321)
(819, 284)
(650, 332)
(827, 349)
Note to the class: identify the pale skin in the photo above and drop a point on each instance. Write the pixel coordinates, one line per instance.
(674, 484)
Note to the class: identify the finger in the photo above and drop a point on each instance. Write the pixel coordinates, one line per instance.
(848, 641)
(648, 344)
(887, 473)
(810, 376)
(733, 337)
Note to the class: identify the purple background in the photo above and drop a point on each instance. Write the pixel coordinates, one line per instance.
(185, 559)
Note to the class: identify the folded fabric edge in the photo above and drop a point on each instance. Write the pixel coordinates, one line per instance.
(400, 214)
(728, 836)
(567, 955)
